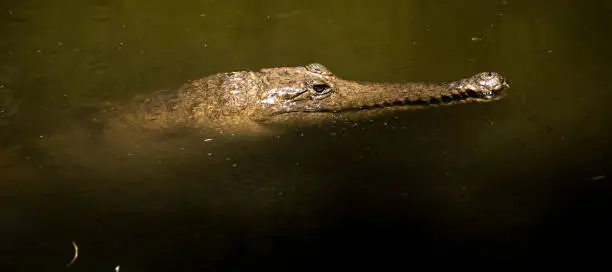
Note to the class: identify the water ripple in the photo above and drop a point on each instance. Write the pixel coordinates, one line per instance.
(9, 106)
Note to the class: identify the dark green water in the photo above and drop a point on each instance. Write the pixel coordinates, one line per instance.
(524, 179)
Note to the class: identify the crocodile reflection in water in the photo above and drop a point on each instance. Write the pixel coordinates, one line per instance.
(244, 100)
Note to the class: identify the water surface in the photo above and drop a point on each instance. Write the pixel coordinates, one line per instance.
(525, 178)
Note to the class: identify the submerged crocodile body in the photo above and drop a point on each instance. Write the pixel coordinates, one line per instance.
(245, 100)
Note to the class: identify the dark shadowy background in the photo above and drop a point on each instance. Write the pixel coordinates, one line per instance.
(525, 179)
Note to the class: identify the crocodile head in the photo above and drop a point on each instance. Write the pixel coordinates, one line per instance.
(312, 90)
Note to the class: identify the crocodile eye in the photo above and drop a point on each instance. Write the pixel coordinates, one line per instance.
(321, 88)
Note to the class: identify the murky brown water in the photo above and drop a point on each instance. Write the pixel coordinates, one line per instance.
(526, 178)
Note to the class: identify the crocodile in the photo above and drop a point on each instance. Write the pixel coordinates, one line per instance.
(248, 100)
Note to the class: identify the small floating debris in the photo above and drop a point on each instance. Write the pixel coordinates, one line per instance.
(76, 254)
(476, 39)
(208, 139)
(598, 177)
(117, 268)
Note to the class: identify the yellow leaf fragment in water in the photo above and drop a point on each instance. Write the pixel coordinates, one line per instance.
(76, 254)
